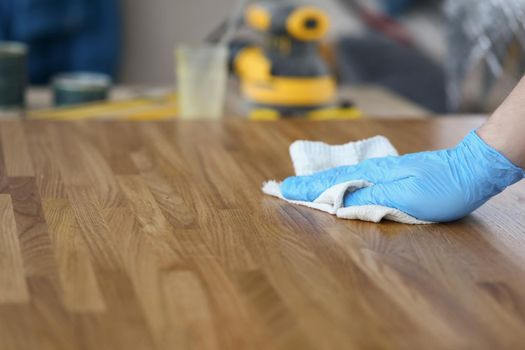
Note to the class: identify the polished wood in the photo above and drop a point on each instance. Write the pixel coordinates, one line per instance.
(122, 235)
(378, 102)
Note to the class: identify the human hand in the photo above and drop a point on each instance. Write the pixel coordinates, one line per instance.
(436, 186)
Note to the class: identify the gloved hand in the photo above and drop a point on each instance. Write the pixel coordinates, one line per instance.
(437, 186)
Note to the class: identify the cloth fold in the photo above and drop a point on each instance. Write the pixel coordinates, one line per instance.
(309, 157)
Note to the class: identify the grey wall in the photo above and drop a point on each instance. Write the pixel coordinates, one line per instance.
(152, 28)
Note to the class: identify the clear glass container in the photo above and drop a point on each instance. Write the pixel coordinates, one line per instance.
(202, 74)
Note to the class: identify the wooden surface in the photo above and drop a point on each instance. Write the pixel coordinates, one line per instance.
(374, 101)
(378, 102)
(156, 236)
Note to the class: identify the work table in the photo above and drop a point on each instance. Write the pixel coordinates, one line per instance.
(372, 100)
(123, 235)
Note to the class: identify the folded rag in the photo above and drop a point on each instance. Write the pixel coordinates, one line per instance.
(310, 157)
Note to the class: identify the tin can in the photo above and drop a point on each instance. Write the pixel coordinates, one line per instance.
(79, 88)
(13, 75)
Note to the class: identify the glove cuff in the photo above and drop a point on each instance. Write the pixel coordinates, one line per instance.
(485, 154)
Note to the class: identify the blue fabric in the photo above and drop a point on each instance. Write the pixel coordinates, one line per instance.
(436, 186)
(397, 7)
(64, 35)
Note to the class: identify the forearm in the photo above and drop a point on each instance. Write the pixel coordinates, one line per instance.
(505, 130)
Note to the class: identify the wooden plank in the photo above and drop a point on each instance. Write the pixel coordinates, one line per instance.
(37, 251)
(122, 326)
(81, 292)
(151, 222)
(4, 184)
(103, 246)
(45, 161)
(190, 323)
(13, 287)
(150, 249)
(16, 153)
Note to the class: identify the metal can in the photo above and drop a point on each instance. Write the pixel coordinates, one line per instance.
(13, 75)
(80, 87)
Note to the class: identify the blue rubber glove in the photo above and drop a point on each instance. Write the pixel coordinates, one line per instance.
(437, 186)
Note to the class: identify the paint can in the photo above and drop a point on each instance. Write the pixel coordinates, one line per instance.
(13, 75)
(80, 87)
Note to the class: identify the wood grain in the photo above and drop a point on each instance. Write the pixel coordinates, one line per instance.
(15, 150)
(121, 235)
(81, 291)
(13, 286)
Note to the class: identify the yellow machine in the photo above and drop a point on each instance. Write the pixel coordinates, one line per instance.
(287, 76)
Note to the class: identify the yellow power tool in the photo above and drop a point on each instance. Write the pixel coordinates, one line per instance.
(287, 76)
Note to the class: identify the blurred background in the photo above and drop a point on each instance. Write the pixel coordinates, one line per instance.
(398, 44)
(446, 56)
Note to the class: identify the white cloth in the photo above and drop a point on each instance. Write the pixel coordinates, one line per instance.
(309, 157)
